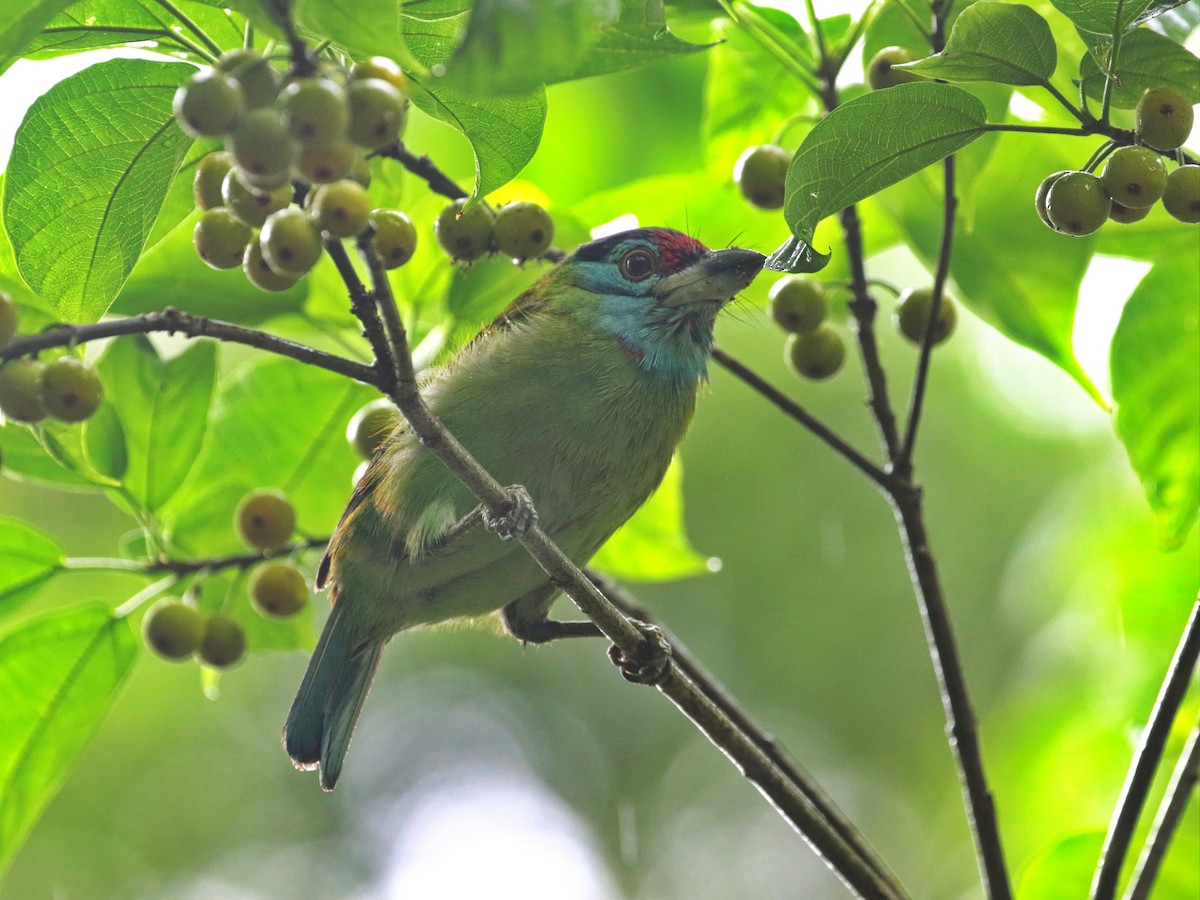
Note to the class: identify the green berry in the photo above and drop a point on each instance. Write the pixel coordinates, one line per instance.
(323, 163)
(394, 237)
(70, 390)
(341, 209)
(370, 427)
(377, 112)
(265, 520)
(278, 589)
(1077, 204)
(1134, 177)
(291, 242)
(314, 110)
(220, 238)
(797, 304)
(260, 274)
(19, 380)
(882, 72)
(523, 230)
(223, 643)
(1127, 214)
(208, 104)
(761, 173)
(1163, 118)
(912, 315)
(360, 170)
(1043, 194)
(259, 82)
(262, 147)
(817, 355)
(1182, 196)
(173, 630)
(250, 205)
(8, 318)
(206, 183)
(465, 233)
(383, 68)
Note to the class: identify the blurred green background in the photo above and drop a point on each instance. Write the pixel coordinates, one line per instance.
(484, 769)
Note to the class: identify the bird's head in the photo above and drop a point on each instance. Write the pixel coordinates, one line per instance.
(657, 292)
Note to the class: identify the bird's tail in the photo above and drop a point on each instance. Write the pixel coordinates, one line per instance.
(331, 696)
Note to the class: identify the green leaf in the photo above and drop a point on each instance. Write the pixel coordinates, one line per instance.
(875, 141)
(633, 40)
(1155, 366)
(994, 41)
(362, 27)
(652, 545)
(25, 459)
(1100, 16)
(28, 558)
(20, 20)
(59, 672)
(1070, 861)
(104, 442)
(91, 164)
(504, 131)
(1147, 60)
(795, 255)
(162, 406)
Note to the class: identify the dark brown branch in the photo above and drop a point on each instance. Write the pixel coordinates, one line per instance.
(1146, 760)
(183, 567)
(174, 321)
(425, 168)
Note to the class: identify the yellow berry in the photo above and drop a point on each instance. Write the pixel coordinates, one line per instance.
(266, 520)
(278, 589)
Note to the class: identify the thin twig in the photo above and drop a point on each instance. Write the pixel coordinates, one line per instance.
(1170, 814)
(174, 321)
(1146, 760)
(1110, 76)
(425, 168)
(181, 567)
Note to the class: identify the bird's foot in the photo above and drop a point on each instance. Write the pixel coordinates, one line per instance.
(518, 517)
(652, 661)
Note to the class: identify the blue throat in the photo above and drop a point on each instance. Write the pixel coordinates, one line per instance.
(673, 344)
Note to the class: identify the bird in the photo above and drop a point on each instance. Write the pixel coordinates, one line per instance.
(580, 391)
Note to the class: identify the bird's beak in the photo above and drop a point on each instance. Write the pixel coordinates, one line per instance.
(714, 278)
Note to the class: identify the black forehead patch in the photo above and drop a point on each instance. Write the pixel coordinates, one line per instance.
(675, 247)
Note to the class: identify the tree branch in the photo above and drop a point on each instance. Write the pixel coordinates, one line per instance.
(182, 567)
(174, 321)
(1146, 760)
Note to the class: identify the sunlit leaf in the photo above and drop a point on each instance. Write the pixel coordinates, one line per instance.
(20, 20)
(1101, 16)
(1147, 60)
(28, 559)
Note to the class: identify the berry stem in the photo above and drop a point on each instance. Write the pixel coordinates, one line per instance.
(818, 32)
(758, 30)
(1070, 107)
(213, 48)
(1110, 74)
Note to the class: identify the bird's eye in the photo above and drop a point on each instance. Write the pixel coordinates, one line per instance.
(637, 265)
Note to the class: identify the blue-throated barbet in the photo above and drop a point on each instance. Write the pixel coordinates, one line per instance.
(581, 392)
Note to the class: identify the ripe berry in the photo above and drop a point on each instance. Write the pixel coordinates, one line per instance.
(259, 82)
(1182, 196)
(278, 589)
(1043, 193)
(377, 112)
(323, 163)
(383, 68)
(817, 355)
(291, 243)
(206, 183)
(466, 234)
(761, 173)
(70, 389)
(1127, 214)
(1134, 177)
(220, 238)
(523, 230)
(371, 426)
(250, 205)
(19, 380)
(912, 315)
(797, 304)
(1077, 204)
(1163, 118)
(265, 520)
(341, 209)
(223, 643)
(260, 274)
(881, 71)
(8, 318)
(394, 238)
(208, 103)
(262, 147)
(173, 630)
(314, 109)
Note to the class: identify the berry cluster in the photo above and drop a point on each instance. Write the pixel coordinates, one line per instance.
(521, 230)
(265, 520)
(1133, 179)
(294, 170)
(67, 388)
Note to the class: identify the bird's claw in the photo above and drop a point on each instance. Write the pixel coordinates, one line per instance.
(652, 661)
(517, 519)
